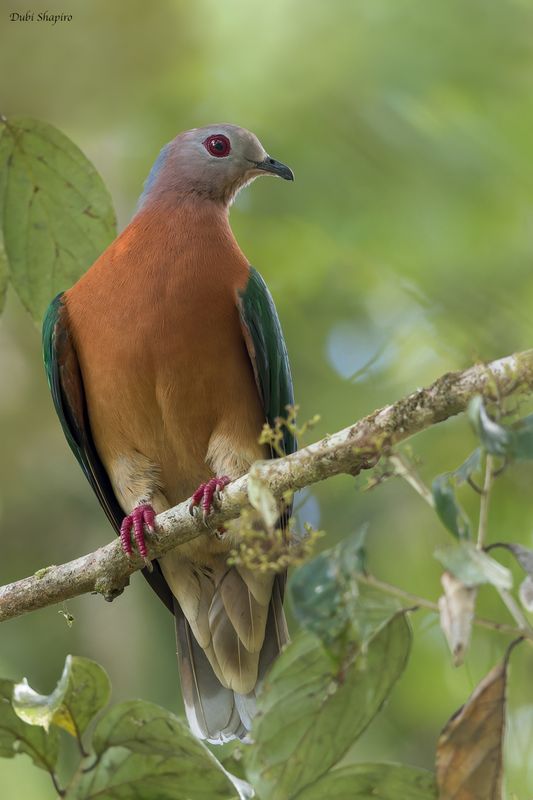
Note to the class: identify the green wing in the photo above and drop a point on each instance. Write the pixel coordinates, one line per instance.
(66, 385)
(268, 352)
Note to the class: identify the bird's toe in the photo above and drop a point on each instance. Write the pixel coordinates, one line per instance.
(207, 496)
(142, 516)
(196, 499)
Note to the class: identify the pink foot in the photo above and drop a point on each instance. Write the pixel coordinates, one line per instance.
(207, 493)
(139, 517)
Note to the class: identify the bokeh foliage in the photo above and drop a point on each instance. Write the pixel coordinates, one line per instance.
(403, 249)
(57, 216)
(320, 696)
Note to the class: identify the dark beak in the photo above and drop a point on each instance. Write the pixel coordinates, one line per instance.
(275, 168)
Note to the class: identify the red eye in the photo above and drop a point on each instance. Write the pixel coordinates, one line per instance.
(218, 145)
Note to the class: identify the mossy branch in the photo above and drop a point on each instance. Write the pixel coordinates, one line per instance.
(358, 447)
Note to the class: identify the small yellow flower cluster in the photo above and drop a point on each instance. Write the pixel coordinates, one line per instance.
(265, 549)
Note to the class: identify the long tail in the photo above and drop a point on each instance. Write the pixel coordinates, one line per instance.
(214, 712)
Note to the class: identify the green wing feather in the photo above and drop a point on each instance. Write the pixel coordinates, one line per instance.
(66, 385)
(268, 352)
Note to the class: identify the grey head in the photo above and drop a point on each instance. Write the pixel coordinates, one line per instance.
(214, 162)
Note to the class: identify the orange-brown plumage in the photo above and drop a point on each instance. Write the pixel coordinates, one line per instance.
(161, 350)
(158, 386)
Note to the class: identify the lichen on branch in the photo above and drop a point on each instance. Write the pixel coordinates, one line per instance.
(349, 451)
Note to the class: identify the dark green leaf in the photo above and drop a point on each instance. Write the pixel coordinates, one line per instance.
(450, 512)
(376, 781)
(494, 437)
(514, 441)
(83, 690)
(447, 506)
(371, 608)
(472, 566)
(327, 599)
(55, 212)
(468, 467)
(350, 553)
(145, 752)
(314, 593)
(311, 710)
(18, 737)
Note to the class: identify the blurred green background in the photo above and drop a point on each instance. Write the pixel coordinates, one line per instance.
(403, 249)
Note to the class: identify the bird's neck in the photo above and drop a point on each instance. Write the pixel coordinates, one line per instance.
(195, 228)
(186, 206)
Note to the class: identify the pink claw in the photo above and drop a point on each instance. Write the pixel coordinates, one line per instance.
(205, 494)
(139, 517)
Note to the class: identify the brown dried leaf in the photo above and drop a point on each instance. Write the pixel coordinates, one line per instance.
(456, 608)
(469, 750)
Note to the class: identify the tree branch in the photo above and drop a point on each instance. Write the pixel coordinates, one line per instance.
(349, 451)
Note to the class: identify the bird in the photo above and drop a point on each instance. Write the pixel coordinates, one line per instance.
(165, 360)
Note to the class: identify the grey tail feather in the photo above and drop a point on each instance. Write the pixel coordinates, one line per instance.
(276, 636)
(214, 712)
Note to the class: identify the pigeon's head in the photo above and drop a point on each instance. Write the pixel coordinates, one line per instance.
(212, 162)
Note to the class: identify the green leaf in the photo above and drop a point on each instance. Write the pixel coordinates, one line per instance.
(146, 752)
(472, 566)
(83, 690)
(376, 781)
(17, 737)
(371, 609)
(55, 212)
(448, 509)
(315, 595)
(494, 437)
(514, 441)
(468, 467)
(311, 710)
(320, 588)
(328, 601)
